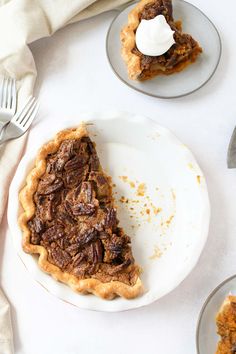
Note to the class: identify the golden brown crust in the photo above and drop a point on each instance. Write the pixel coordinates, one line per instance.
(104, 290)
(226, 326)
(127, 37)
(133, 61)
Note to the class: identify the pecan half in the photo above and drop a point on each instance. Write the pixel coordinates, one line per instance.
(111, 220)
(38, 225)
(78, 259)
(78, 161)
(89, 236)
(83, 209)
(35, 237)
(60, 257)
(64, 153)
(72, 178)
(94, 160)
(53, 233)
(48, 189)
(65, 218)
(97, 252)
(118, 268)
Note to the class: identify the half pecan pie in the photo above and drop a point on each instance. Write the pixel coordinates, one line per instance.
(226, 326)
(142, 67)
(70, 220)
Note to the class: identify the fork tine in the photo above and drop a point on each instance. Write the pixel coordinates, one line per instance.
(9, 93)
(19, 116)
(3, 83)
(31, 115)
(27, 111)
(4, 93)
(13, 95)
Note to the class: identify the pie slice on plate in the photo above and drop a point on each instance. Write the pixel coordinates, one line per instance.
(70, 220)
(226, 326)
(140, 66)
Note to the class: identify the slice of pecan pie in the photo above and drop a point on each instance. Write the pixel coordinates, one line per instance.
(70, 220)
(226, 326)
(142, 67)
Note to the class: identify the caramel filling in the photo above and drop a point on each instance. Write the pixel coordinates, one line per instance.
(75, 218)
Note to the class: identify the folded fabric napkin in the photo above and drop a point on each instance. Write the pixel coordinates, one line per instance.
(6, 342)
(23, 22)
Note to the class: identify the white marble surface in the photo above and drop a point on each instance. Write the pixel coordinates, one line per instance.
(74, 75)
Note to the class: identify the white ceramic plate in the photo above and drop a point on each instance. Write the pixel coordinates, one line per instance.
(207, 337)
(168, 225)
(196, 23)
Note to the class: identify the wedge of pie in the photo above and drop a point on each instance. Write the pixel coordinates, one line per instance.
(183, 52)
(70, 220)
(226, 326)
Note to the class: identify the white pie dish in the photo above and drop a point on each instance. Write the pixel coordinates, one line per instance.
(169, 240)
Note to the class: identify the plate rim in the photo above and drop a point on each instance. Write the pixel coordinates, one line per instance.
(151, 94)
(205, 303)
(136, 118)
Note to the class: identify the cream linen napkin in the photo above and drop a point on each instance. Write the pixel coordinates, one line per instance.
(22, 22)
(6, 342)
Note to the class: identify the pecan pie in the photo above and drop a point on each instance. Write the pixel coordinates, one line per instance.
(142, 67)
(226, 326)
(70, 220)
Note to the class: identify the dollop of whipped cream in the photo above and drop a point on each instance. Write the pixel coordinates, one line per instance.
(154, 37)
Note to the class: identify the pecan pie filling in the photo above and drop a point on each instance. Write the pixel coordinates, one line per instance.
(185, 49)
(75, 219)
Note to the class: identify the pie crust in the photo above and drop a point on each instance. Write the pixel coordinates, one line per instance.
(106, 290)
(226, 326)
(132, 56)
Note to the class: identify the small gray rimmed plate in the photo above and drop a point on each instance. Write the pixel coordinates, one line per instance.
(196, 23)
(206, 336)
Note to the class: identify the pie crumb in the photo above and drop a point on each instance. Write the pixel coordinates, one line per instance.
(156, 254)
(141, 189)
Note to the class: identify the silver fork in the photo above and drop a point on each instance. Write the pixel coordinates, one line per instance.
(7, 101)
(21, 121)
